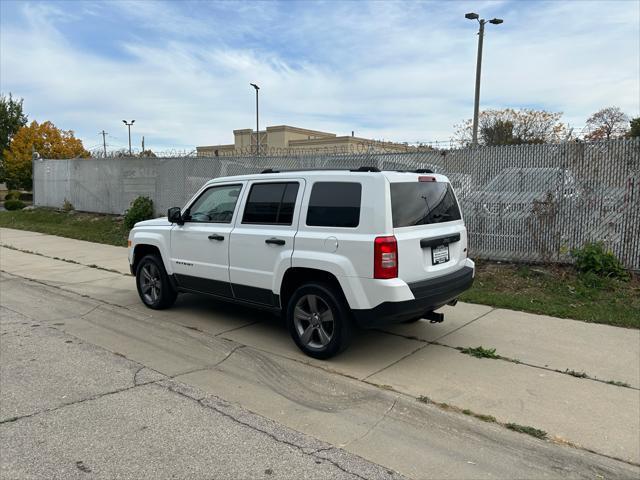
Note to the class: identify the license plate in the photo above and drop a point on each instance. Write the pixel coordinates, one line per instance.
(440, 254)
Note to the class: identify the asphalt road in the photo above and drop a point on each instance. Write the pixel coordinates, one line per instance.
(89, 389)
(70, 409)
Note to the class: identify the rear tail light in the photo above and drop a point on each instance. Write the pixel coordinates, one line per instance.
(385, 257)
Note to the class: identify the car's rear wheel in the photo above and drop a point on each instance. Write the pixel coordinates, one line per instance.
(153, 283)
(318, 320)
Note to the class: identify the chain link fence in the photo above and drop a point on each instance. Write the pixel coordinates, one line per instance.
(530, 203)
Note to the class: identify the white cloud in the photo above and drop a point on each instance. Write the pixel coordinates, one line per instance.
(403, 72)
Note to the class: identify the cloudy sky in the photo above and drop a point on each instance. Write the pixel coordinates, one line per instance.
(388, 70)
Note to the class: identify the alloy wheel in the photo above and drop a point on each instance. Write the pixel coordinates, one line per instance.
(313, 321)
(150, 283)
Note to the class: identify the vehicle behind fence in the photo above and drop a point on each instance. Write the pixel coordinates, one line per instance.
(529, 203)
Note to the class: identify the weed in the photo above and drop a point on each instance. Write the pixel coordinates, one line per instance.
(618, 384)
(594, 258)
(424, 399)
(480, 352)
(485, 418)
(13, 204)
(467, 412)
(67, 206)
(534, 432)
(573, 373)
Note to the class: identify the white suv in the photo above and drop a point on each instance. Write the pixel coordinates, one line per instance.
(327, 248)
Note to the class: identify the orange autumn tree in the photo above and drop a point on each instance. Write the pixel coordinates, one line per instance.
(47, 140)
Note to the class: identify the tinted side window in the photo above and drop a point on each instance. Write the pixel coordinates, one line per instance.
(288, 204)
(271, 203)
(334, 204)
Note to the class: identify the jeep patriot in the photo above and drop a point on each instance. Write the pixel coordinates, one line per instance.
(329, 249)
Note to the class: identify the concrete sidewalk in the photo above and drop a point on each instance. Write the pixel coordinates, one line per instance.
(419, 360)
(85, 253)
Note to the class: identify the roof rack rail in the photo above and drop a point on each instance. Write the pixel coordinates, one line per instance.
(365, 169)
(418, 170)
(360, 169)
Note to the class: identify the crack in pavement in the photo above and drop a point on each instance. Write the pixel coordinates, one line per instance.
(274, 437)
(200, 401)
(236, 328)
(69, 404)
(426, 343)
(234, 350)
(468, 323)
(500, 357)
(162, 383)
(304, 450)
(66, 260)
(135, 375)
(60, 287)
(364, 380)
(373, 427)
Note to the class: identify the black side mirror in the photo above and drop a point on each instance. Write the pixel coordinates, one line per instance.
(174, 216)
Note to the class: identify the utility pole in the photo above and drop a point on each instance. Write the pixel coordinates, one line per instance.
(257, 120)
(129, 126)
(104, 142)
(143, 144)
(476, 102)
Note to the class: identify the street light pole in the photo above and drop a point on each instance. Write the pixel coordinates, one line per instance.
(476, 101)
(257, 120)
(129, 127)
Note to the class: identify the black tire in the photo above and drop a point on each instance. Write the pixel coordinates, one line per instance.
(323, 342)
(153, 283)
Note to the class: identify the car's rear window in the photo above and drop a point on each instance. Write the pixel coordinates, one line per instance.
(423, 203)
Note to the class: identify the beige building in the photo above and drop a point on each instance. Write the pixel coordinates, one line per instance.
(284, 140)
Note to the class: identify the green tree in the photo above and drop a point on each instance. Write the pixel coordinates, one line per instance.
(497, 133)
(634, 127)
(46, 139)
(12, 118)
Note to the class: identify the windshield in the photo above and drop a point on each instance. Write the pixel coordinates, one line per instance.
(423, 203)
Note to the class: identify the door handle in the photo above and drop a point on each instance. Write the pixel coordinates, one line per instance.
(215, 236)
(275, 241)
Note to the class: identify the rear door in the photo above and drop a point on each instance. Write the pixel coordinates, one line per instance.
(428, 226)
(262, 240)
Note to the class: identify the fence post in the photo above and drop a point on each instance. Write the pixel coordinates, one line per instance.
(34, 156)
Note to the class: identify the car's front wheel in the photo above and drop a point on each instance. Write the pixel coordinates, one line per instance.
(153, 283)
(318, 320)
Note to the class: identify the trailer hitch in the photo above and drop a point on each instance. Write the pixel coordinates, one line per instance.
(434, 317)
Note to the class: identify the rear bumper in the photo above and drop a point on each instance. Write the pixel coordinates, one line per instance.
(429, 295)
